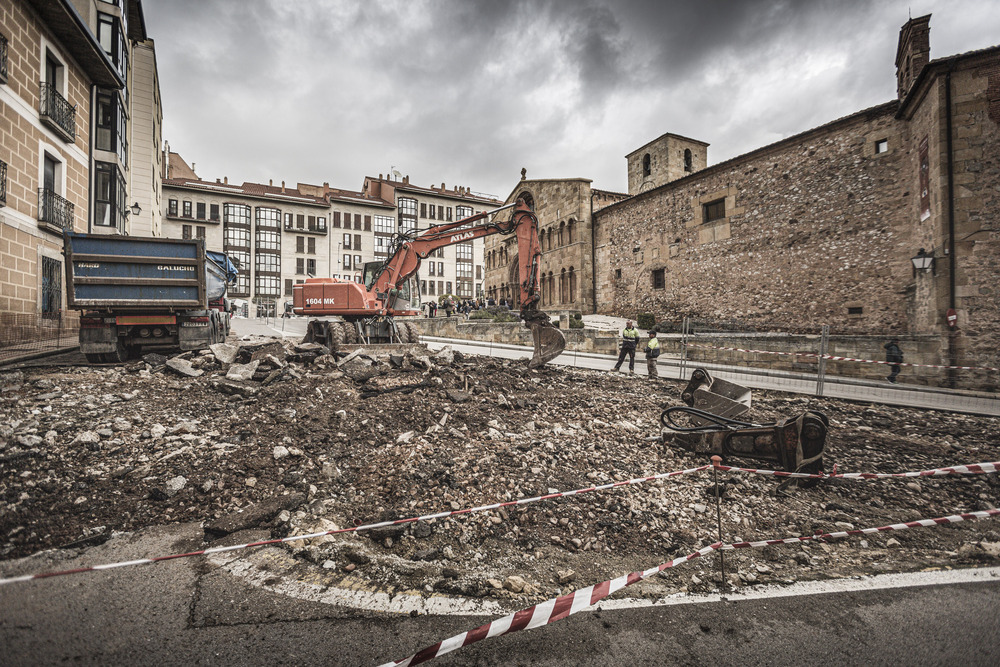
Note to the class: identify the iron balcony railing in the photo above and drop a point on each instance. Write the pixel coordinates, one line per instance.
(54, 210)
(3, 59)
(3, 183)
(59, 113)
(315, 228)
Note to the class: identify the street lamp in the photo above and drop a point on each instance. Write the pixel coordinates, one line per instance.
(924, 261)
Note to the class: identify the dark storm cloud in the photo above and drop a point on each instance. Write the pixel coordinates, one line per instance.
(468, 92)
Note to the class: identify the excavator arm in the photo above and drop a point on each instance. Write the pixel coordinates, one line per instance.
(409, 251)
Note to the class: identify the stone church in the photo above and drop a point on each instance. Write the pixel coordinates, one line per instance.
(884, 221)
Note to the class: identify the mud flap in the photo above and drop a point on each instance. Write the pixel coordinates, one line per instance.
(549, 342)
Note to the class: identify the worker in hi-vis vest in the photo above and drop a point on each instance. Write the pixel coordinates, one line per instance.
(652, 352)
(630, 340)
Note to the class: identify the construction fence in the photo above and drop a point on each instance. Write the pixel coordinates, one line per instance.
(25, 335)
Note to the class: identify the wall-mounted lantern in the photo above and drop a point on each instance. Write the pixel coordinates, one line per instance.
(924, 261)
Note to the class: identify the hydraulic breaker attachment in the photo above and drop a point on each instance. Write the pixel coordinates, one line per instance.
(796, 444)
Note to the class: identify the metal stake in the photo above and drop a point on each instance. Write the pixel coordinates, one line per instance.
(716, 461)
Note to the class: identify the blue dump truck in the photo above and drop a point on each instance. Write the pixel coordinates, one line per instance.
(142, 293)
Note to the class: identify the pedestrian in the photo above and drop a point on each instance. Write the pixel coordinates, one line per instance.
(893, 356)
(434, 308)
(630, 340)
(652, 352)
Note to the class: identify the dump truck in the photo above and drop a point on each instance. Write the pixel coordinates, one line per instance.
(139, 293)
(377, 310)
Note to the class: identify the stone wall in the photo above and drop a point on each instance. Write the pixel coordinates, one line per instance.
(813, 226)
(512, 333)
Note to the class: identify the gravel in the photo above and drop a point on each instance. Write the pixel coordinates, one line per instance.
(293, 440)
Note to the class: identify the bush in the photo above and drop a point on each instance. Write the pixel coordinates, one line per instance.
(481, 315)
(576, 323)
(578, 316)
(646, 321)
(506, 317)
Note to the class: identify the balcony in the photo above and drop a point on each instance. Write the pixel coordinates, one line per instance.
(315, 228)
(3, 59)
(54, 210)
(3, 183)
(56, 112)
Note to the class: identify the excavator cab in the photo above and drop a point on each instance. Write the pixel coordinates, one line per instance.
(399, 299)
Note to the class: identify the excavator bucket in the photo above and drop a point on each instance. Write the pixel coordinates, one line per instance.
(549, 343)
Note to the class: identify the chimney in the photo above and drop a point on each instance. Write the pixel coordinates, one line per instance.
(326, 185)
(270, 182)
(443, 188)
(282, 186)
(406, 179)
(218, 180)
(225, 179)
(380, 177)
(192, 168)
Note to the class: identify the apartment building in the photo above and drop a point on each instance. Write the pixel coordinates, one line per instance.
(280, 235)
(55, 72)
(456, 269)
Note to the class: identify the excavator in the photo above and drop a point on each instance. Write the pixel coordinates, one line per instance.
(376, 311)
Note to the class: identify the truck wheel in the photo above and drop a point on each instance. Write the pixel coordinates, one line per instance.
(119, 356)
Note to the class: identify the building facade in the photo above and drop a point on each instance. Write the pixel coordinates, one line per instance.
(824, 227)
(55, 72)
(279, 236)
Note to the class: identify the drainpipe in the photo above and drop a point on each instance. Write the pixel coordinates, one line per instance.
(952, 260)
(593, 256)
(90, 161)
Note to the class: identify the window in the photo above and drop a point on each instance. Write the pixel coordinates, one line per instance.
(423, 210)
(111, 124)
(441, 287)
(312, 246)
(449, 288)
(311, 223)
(881, 146)
(646, 165)
(433, 212)
(109, 195)
(479, 272)
(408, 214)
(423, 287)
(185, 231)
(336, 219)
(688, 161)
(347, 241)
(213, 212)
(172, 207)
(200, 210)
(463, 270)
(288, 286)
(53, 108)
(618, 274)
(311, 267)
(300, 244)
(357, 241)
(463, 252)
(448, 214)
(300, 265)
(430, 284)
(441, 217)
(347, 262)
(268, 262)
(268, 239)
(289, 220)
(199, 231)
(357, 221)
(368, 223)
(267, 285)
(714, 210)
(111, 38)
(321, 223)
(658, 279)
(384, 224)
(440, 268)
(382, 245)
(431, 268)
(51, 287)
(187, 209)
(268, 217)
(463, 212)
(357, 262)
(855, 310)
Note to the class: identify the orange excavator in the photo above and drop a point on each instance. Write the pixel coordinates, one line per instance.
(376, 311)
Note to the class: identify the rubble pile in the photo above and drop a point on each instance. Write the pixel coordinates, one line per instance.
(260, 435)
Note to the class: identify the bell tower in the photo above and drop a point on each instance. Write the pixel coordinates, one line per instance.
(913, 52)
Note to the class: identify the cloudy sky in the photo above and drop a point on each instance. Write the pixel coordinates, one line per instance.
(467, 92)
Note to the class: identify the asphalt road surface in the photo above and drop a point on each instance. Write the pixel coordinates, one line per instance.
(188, 611)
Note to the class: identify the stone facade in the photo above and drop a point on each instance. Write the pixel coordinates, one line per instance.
(564, 208)
(664, 159)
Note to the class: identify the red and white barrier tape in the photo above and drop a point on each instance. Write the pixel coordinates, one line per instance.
(970, 469)
(560, 607)
(830, 357)
(355, 529)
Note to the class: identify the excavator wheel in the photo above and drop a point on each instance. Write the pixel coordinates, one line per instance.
(406, 332)
(350, 333)
(334, 336)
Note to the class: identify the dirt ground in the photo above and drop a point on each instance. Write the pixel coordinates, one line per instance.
(308, 442)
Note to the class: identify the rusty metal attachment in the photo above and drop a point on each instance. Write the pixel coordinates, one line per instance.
(795, 443)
